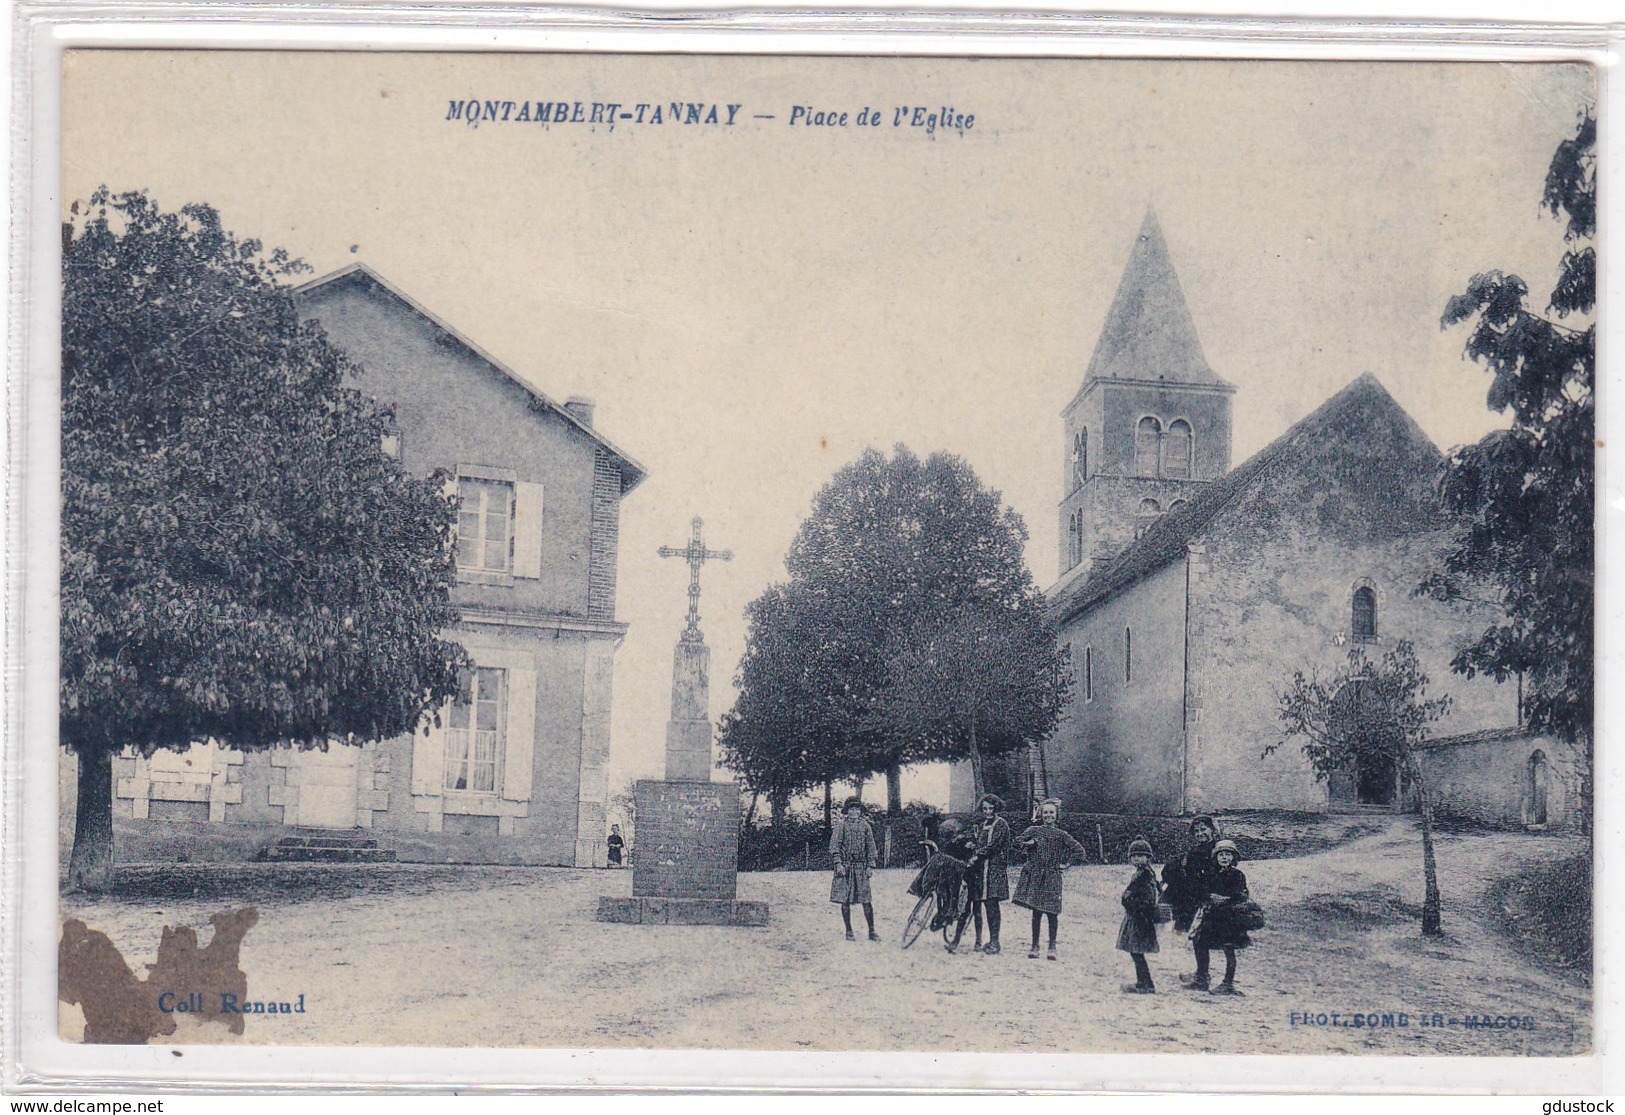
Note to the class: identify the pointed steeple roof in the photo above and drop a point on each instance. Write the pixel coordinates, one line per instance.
(1148, 333)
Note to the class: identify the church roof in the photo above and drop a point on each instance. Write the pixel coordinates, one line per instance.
(1149, 334)
(1362, 405)
(631, 472)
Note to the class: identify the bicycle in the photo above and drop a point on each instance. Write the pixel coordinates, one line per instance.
(944, 898)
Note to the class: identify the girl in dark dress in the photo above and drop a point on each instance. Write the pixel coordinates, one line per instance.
(1048, 846)
(989, 876)
(1222, 923)
(1138, 934)
(616, 844)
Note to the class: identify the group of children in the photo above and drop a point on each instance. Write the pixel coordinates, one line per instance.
(1203, 893)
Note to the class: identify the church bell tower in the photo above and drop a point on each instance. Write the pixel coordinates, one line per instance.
(1151, 423)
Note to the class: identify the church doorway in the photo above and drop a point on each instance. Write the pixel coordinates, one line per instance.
(1372, 782)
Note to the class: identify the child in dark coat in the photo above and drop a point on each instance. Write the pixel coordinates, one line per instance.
(1048, 847)
(1138, 934)
(1221, 924)
(989, 875)
(852, 847)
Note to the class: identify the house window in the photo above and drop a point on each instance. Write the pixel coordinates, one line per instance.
(1128, 656)
(1176, 450)
(1080, 458)
(485, 525)
(1147, 446)
(475, 733)
(1088, 673)
(1363, 626)
(1145, 515)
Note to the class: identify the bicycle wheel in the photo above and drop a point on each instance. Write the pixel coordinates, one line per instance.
(919, 918)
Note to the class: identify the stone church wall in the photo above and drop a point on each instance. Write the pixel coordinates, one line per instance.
(1272, 590)
(1121, 751)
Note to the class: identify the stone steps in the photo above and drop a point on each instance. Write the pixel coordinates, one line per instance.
(327, 848)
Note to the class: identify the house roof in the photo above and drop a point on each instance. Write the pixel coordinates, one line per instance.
(1166, 539)
(631, 472)
(1149, 335)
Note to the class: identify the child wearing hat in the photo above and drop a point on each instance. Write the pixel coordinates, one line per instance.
(1138, 934)
(852, 848)
(1223, 924)
(1048, 847)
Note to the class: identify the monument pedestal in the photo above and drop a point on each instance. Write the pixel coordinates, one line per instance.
(685, 859)
(685, 871)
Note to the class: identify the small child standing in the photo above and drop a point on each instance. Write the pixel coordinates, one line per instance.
(1138, 934)
(852, 847)
(1048, 846)
(1225, 919)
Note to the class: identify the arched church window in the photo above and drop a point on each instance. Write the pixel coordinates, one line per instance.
(1080, 457)
(1363, 625)
(1128, 655)
(1074, 539)
(1145, 515)
(1177, 444)
(1176, 505)
(1147, 446)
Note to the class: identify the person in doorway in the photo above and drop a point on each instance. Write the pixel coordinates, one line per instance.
(1138, 934)
(989, 875)
(1048, 848)
(617, 846)
(853, 850)
(1223, 920)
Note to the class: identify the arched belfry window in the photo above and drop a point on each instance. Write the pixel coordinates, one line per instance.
(1147, 446)
(1363, 622)
(1080, 457)
(1177, 445)
(1145, 515)
(1074, 539)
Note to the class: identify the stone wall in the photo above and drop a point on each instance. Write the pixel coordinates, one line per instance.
(1488, 777)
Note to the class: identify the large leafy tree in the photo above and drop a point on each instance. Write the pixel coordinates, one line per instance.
(1371, 715)
(240, 559)
(1526, 494)
(918, 632)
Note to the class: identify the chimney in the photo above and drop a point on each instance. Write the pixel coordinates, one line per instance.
(581, 408)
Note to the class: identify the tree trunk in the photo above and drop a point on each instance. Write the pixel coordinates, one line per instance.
(894, 790)
(778, 804)
(1431, 915)
(90, 866)
(750, 814)
(829, 825)
(978, 786)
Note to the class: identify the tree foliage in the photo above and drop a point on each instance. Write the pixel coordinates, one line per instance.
(910, 630)
(1526, 494)
(240, 560)
(1369, 714)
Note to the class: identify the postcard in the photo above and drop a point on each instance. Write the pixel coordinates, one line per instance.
(801, 553)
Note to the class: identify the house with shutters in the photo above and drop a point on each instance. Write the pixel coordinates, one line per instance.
(1189, 591)
(515, 771)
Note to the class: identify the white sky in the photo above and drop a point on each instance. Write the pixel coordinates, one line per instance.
(752, 307)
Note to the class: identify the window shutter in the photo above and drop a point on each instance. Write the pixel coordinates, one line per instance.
(429, 756)
(520, 724)
(527, 530)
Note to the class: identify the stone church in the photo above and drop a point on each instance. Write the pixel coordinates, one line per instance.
(1190, 591)
(515, 773)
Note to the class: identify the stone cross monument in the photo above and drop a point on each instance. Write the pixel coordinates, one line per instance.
(688, 732)
(685, 856)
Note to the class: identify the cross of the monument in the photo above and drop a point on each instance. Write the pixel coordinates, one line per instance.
(696, 555)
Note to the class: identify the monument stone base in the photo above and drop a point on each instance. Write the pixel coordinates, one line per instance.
(681, 911)
(685, 866)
